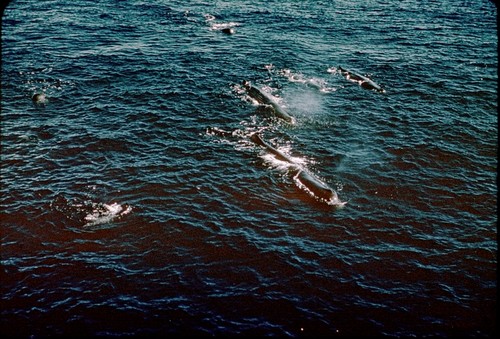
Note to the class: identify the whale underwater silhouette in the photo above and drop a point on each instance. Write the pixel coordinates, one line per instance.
(363, 81)
(265, 99)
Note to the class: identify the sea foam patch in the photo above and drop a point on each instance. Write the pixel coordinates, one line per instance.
(105, 213)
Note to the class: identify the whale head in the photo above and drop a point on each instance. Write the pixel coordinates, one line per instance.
(39, 98)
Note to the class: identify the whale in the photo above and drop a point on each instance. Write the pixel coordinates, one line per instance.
(265, 99)
(363, 81)
(278, 154)
(305, 179)
(228, 30)
(315, 186)
(39, 98)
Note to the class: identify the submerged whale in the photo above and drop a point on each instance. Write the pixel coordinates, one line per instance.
(363, 81)
(264, 99)
(303, 177)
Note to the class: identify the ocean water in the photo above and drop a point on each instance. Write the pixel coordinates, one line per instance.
(134, 203)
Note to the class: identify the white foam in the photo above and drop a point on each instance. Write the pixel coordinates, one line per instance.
(105, 213)
(210, 19)
(314, 82)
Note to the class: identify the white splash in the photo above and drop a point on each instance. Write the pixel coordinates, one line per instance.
(332, 70)
(314, 82)
(222, 25)
(210, 19)
(104, 213)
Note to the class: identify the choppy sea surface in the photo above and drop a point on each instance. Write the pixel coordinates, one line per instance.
(133, 201)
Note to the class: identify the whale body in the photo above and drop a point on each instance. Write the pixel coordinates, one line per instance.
(278, 154)
(363, 81)
(316, 187)
(303, 177)
(264, 99)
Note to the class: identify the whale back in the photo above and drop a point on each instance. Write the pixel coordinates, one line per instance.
(316, 187)
(364, 82)
(264, 99)
(279, 155)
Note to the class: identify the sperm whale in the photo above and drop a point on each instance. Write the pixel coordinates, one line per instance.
(264, 99)
(39, 98)
(363, 81)
(278, 154)
(304, 178)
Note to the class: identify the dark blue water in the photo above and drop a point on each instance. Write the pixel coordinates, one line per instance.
(125, 212)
